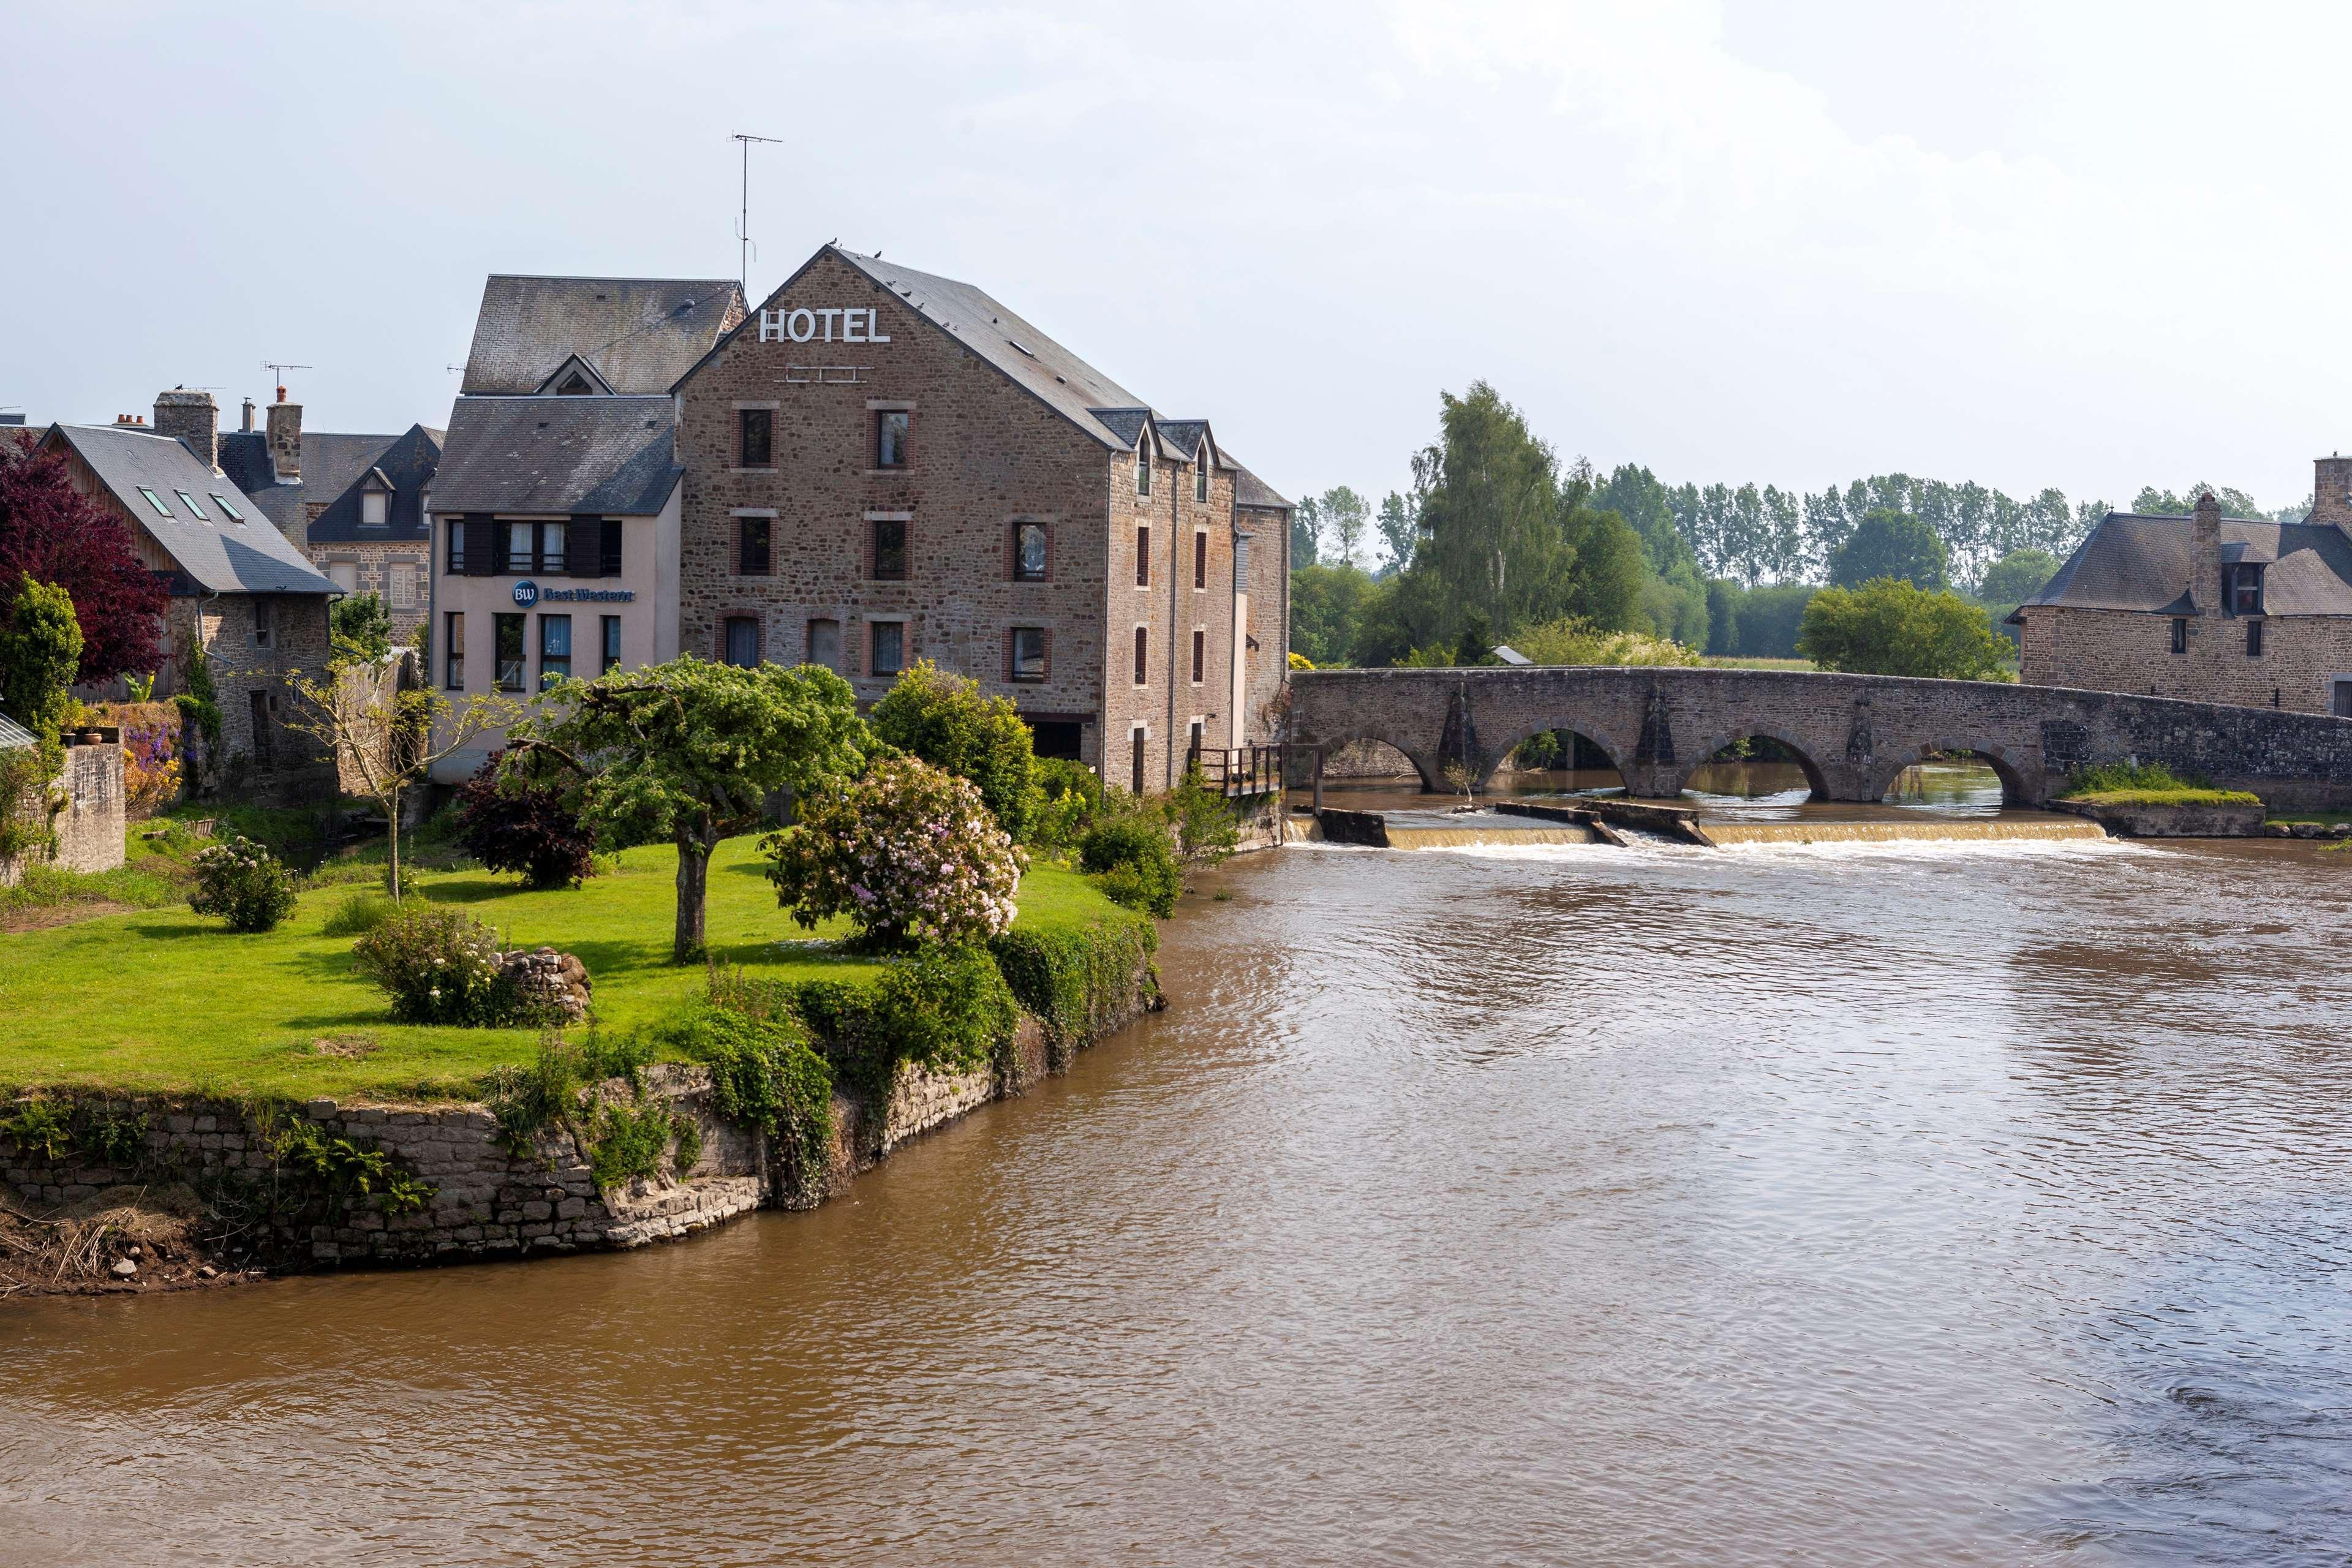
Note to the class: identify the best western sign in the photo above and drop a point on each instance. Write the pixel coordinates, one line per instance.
(834, 324)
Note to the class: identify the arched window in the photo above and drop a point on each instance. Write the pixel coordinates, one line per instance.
(1143, 464)
(1200, 475)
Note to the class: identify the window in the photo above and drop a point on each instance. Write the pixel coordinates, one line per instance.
(554, 649)
(1142, 655)
(1143, 465)
(2246, 591)
(1054, 737)
(510, 651)
(522, 540)
(260, 622)
(1135, 759)
(742, 641)
(1195, 742)
(228, 511)
(2340, 698)
(1028, 553)
(374, 508)
(1200, 654)
(756, 430)
(2253, 639)
(344, 574)
(400, 578)
(1199, 560)
(2179, 634)
(752, 558)
(1143, 557)
(257, 709)
(1200, 475)
(452, 642)
(1028, 653)
(612, 646)
(550, 547)
(890, 437)
(190, 502)
(608, 561)
(824, 643)
(890, 549)
(455, 529)
(889, 648)
(156, 501)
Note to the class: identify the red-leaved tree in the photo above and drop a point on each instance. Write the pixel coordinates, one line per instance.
(53, 534)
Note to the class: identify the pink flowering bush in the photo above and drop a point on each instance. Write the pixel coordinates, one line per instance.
(909, 853)
(243, 883)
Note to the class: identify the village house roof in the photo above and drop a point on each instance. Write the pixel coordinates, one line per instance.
(635, 335)
(215, 552)
(334, 466)
(2134, 561)
(1255, 494)
(1033, 361)
(613, 456)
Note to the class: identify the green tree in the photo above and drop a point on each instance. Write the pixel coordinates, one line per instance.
(945, 720)
(1342, 516)
(360, 628)
(40, 646)
(1304, 537)
(1889, 626)
(1890, 543)
(1491, 535)
(693, 751)
(1326, 605)
(1399, 525)
(1605, 586)
(2017, 577)
(2234, 502)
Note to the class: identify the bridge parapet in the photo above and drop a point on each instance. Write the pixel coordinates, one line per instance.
(1852, 733)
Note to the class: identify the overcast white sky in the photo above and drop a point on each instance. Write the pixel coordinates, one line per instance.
(2088, 245)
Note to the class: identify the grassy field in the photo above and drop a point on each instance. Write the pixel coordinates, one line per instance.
(160, 999)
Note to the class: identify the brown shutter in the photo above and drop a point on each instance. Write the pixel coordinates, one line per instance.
(584, 547)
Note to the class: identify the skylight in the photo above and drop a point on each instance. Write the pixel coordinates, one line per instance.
(228, 511)
(190, 502)
(156, 501)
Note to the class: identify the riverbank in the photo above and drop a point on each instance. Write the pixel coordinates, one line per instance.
(241, 1104)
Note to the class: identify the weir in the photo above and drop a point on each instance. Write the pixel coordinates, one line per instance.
(1728, 835)
(1571, 824)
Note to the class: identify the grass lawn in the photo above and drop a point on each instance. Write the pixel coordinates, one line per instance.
(160, 999)
(2325, 818)
(2184, 796)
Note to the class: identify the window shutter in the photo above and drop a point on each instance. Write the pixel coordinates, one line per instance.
(584, 547)
(482, 541)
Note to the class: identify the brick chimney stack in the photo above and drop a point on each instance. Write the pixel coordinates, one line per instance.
(2208, 552)
(286, 439)
(249, 415)
(2331, 489)
(194, 418)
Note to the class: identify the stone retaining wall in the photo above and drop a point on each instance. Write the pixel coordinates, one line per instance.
(489, 1203)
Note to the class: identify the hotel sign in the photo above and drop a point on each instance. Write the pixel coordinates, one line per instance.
(856, 325)
(527, 593)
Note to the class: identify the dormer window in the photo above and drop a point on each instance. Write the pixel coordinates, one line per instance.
(576, 385)
(374, 507)
(2246, 590)
(1201, 476)
(1143, 464)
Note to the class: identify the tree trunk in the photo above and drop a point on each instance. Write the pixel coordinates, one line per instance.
(694, 842)
(391, 804)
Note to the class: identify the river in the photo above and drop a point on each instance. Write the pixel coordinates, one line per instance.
(1849, 1204)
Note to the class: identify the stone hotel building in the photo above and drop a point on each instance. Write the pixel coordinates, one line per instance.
(2209, 608)
(881, 466)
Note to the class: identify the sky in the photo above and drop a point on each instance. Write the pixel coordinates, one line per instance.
(2091, 246)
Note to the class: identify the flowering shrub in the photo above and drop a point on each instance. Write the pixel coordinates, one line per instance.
(439, 966)
(150, 752)
(909, 853)
(1133, 862)
(243, 883)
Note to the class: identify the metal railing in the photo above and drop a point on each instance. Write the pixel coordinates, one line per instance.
(1242, 773)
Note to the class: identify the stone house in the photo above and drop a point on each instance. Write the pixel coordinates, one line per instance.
(238, 588)
(882, 464)
(554, 513)
(354, 504)
(2206, 607)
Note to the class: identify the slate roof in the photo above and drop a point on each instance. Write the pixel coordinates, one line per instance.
(553, 455)
(2134, 561)
(214, 554)
(1249, 491)
(333, 464)
(640, 334)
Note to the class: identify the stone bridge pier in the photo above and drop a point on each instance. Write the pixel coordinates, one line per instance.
(1852, 734)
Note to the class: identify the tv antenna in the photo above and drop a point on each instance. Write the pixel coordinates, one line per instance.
(278, 369)
(743, 246)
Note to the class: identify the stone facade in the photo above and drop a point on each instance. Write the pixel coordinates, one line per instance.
(2303, 657)
(983, 454)
(90, 826)
(400, 574)
(1851, 733)
(253, 682)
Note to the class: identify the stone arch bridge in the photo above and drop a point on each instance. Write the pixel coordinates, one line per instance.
(1851, 733)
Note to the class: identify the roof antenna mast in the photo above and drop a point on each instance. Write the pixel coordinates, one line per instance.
(743, 246)
(278, 369)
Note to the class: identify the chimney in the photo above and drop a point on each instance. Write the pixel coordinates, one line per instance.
(286, 439)
(2331, 489)
(2209, 550)
(194, 418)
(249, 415)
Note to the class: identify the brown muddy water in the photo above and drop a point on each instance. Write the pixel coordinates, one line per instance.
(1858, 1204)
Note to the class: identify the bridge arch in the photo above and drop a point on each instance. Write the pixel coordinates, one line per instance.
(2013, 788)
(1617, 754)
(1432, 776)
(1816, 780)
